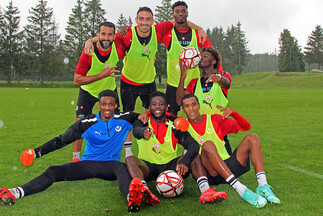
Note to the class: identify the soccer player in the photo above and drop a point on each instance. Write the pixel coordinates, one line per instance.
(222, 168)
(105, 133)
(158, 148)
(176, 40)
(96, 73)
(211, 88)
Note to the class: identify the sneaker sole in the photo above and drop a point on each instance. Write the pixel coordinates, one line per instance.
(149, 200)
(137, 192)
(7, 201)
(216, 200)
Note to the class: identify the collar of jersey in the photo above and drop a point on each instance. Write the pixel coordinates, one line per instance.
(98, 117)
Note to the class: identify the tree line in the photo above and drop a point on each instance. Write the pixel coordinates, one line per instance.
(38, 52)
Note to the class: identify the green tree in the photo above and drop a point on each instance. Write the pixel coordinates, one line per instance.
(290, 56)
(216, 37)
(12, 40)
(38, 33)
(162, 13)
(314, 47)
(240, 50)
(94, 16)
(2, 33)
(122, 21)
(227, 56)
(130, 23)
(76, 34)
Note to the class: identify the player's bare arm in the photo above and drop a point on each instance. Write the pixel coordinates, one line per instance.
(83, 80)
(223, 81)
(180, 92)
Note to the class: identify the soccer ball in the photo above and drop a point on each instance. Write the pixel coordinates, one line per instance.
(191, 57)
(169, 184)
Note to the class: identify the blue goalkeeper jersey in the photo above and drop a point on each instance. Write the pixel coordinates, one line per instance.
(104, 140)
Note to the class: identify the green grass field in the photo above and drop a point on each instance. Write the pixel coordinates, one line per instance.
(285, 111)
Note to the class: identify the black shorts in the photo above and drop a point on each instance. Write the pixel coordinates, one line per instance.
(156, 169)
(129, 94)
(236, 168)
(171, 99)
(86, 102)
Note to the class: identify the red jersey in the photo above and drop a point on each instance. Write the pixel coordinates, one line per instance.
(207, 86)
(222, 126)
(85, 61)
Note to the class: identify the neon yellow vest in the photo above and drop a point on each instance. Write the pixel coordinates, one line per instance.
(96, 67)
(173, 69)
(139, 61)
(209, 100)
(153, 151)
(210, 135)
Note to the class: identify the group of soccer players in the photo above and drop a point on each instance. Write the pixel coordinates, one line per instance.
(207, 153)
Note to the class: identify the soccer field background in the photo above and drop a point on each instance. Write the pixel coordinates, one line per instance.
(285, 111)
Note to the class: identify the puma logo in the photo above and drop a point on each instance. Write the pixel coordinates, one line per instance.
(98, 132)
(146, 55)
(205, 102)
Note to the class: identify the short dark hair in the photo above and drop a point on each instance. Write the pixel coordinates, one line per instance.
(189, 96)
(157, 94)
(215, 53)
(145, 8)
(108, 93)
(178, 3)
(108, 24)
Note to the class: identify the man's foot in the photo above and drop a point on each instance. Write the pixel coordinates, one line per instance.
(150, 198)
(254, 199)
(6, 198)
(211, 196)
(136, 193)
(75, 160)
(267, 192)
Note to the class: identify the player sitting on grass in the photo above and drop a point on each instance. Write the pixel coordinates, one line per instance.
(157, 148)
(209, 131)
(105, 133)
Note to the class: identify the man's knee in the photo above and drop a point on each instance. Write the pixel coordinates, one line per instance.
(253, 139)
(209, 147)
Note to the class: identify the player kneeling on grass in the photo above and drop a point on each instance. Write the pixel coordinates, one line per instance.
(209, 131)
(105, 133)
(157, 148)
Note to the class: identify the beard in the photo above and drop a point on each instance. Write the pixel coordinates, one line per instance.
(158, 117)
(105, 44)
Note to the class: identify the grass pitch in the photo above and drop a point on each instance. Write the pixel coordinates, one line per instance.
(285, 111)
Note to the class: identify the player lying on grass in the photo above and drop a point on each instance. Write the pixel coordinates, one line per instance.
(157, 148)
(105, 133)
(209, 131)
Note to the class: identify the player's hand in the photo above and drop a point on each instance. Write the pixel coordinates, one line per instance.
(226, 111)
(27, 157)
(181, 169)
(181, 124)
(202, 36)
(183, 68)
(88, 46)
(148, 132)
(123, 30)
(214, 78)
(143, 117)
(108, 71)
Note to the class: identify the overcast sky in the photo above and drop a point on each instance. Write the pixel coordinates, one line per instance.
(262, 20)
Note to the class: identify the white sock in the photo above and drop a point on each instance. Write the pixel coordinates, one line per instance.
(17, 192)
(203, 183)
(238, 186)
(261, 178)
(144, 184)
(76, 155)
(127, 148)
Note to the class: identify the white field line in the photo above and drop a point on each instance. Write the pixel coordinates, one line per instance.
(303, 171)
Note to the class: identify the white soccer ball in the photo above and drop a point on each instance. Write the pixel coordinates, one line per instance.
(169, 184)
(191, 57)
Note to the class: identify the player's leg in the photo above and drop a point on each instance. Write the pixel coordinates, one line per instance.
(117, 111)
(139, 169)
(208, 195)
(251, 145)
(145, 91)
(171, 100)
(128, 96)
(229, 171)
(85, 103)
(66, 172)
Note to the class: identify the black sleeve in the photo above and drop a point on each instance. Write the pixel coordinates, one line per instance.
(74, 132)
(138, 129)
(190, 144)
(130, 117)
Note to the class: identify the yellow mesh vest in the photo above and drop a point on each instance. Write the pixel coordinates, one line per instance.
(210, 135)
(139, 61)
(96, 67)
(153, 151)
(173, 69)
(209, 100)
